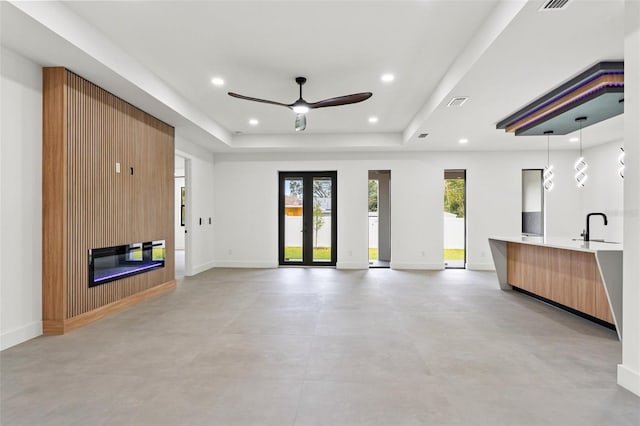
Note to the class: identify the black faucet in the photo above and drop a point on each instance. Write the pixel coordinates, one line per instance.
(586, 233)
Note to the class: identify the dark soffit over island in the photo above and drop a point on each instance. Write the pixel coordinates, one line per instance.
(597, 93)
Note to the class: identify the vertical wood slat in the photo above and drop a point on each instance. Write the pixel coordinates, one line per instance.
(86, 204)
(514, 272)
(560, 265)
(54, 199)
(582, 289)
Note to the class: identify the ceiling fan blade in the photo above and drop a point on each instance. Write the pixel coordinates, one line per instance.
(264, 101)
(301, 122)
(341, 100)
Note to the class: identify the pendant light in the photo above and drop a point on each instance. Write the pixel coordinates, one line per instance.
(621, 161)
(581, 165)
(547, 174)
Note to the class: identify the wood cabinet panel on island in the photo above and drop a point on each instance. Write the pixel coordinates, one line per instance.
(559, 262)
(570, 278)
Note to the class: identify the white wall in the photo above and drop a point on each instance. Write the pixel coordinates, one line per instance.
(248, 232)
(21, 200)
(200, 181)
(179, 229)
(604, 191)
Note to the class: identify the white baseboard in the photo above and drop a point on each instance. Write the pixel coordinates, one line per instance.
(418, 266)
(201, 268)
(21, 334)
(629, 379)
(243, 264)
(481, 267)
(352, 265)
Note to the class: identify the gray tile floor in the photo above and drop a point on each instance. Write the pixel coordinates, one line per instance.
(323, 347)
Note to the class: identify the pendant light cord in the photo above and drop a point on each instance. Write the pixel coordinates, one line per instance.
(580, 138)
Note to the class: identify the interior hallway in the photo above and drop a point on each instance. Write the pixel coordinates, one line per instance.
(304, 346)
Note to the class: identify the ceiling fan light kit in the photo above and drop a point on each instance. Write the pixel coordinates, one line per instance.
(301, 107)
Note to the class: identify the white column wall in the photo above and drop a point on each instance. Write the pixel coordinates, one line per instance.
(21, 200)
(353, 213)
(200, 180)
(417, 199)
(629, 370)
(384, 217)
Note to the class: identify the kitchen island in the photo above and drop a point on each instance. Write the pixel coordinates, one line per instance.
(585, 277)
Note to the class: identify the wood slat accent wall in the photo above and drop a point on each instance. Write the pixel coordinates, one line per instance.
(87, 130)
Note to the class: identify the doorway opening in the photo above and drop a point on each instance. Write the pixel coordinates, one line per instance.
(532, 202)
(307, 210)
(180, 216)
(455, 219)
(379, 218)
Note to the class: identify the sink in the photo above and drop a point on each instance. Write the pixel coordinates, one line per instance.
(596, 240)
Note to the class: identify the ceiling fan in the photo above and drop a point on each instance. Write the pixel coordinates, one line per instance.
(301, 107)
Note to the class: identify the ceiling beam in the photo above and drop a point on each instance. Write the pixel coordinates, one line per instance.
(501, 16)
(59, 19)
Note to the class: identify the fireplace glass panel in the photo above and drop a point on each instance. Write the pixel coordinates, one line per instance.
(113, 263)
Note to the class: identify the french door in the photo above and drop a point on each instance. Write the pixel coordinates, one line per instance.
(307, 216)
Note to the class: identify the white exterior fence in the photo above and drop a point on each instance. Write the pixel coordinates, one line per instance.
(453, 231)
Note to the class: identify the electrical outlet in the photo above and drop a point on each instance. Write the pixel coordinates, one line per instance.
(350, 253)
(229, 252)
(422, 254)
(117, 167)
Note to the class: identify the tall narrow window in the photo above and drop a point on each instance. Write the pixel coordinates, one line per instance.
(379, 218)
(455, 222)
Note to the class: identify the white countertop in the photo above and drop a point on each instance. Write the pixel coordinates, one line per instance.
(564, 243)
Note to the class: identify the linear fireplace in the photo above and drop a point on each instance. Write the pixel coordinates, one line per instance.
(113, 263)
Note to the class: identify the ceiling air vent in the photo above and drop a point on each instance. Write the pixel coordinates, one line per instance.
(554, 5)
(458, 101)
(423, 135)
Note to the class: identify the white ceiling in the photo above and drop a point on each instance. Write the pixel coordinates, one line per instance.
(161, 56)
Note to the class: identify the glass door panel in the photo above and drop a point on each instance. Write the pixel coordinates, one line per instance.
(293, 224)
(322, 189)
(455, 225)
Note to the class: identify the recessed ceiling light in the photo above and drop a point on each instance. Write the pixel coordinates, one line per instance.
(574, 140)
(217, 81)
(253, 122)
(373, 119)
(463, 140)
(387, 78)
